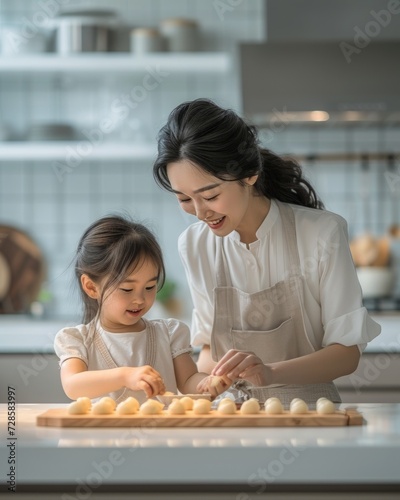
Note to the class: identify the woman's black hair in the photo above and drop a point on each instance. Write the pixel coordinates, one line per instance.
(111, 249)
(220, 142)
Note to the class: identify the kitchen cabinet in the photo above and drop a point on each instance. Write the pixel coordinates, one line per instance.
(377, 379)
(35, 377)
(146, 70)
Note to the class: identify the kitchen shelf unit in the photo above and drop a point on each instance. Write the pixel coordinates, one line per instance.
(218, 62)
(100, 65)
(58, 151)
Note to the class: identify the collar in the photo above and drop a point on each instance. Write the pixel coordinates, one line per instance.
(265, 226)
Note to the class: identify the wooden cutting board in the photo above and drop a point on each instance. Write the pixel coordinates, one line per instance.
(60, 418)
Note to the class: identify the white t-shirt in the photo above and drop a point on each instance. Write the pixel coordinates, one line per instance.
(127, 349)
(333, 311)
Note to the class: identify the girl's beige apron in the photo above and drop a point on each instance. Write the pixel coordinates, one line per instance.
(108, 362)
(269, 322)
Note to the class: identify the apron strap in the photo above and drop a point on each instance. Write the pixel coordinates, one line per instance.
(109, 362)
(150, 357)
(289, 229)
(223, 276)
(151, 344)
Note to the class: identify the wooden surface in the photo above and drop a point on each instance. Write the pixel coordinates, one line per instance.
(61, 418)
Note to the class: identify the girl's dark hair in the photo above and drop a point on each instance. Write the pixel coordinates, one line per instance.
(224, 145)
(111, 249)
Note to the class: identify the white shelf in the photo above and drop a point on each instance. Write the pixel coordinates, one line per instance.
(116, 62)
(60, 151)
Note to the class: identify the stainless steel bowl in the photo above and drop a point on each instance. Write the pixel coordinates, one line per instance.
(84, 31)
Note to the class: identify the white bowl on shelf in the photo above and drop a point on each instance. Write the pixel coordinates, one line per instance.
(375, 281)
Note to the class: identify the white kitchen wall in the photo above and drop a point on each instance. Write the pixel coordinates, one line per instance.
(343, 186)
(56, 211)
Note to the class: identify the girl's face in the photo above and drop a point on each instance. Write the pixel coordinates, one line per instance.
(225, 206)
(124, 306)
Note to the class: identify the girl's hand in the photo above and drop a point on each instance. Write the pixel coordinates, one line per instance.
(214, 385)
(244, 365)
(144, 378)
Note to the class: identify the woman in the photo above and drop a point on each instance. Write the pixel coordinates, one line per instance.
(277, 303)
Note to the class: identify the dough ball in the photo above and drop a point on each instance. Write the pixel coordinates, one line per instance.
(216, 381)
(105, 406)
(273, 406)
(299, 406)
(227, 407)
(270, 400)
(187, 402)
(128, 407)
(86, 402)
(78, 408)
(225, 400)
(109, 400)
(201, 406)
(325, 406)
(168, 393)
(176, 408)
(151, 407)
(250, 406)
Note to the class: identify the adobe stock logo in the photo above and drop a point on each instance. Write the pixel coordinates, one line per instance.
(372, 29)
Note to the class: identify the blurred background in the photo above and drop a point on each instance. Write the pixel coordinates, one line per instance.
(83, 95)
(86, 85)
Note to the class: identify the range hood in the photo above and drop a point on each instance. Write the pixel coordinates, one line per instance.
(320, 81)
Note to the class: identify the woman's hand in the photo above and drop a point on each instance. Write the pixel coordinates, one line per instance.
(144, 378)
(244, 365)
(214, 385)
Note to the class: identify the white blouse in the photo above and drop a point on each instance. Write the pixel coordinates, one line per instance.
(333, 311)
(127, 349)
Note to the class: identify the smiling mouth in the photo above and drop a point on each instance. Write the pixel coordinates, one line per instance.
(134, 311)
(215, 222)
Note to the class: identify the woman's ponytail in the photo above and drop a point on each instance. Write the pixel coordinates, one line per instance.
(221, 143)
(282, 179)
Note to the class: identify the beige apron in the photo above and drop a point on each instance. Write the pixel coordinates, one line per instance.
(268, 322)
(108, 362)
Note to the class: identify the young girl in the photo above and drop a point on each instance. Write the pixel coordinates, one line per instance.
(116, 351)
(277, 303)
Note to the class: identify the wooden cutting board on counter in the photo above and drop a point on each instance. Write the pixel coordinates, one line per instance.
(61, 418)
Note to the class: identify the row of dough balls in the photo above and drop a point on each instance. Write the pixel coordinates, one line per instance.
(226, 406)
(129, 406)
(297, 406)
(273, 406)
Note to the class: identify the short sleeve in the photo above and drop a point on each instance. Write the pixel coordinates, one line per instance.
(344, 318)
(179, 337)
(350, 329)
(69, 343)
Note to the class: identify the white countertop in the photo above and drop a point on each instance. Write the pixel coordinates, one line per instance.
(21, 334)
(251, 458)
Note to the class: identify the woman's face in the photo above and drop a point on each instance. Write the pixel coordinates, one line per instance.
(225, 206)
